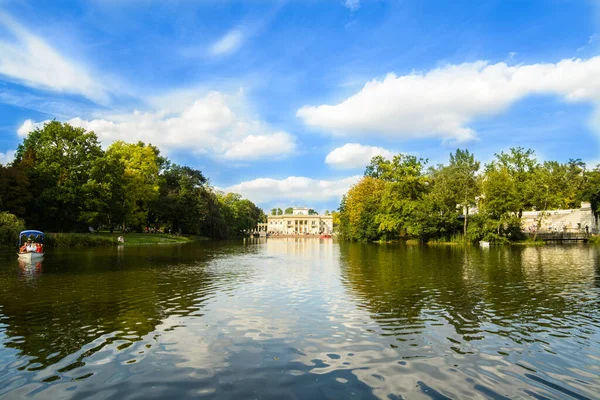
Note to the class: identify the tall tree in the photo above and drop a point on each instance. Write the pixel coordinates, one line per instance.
(57, 159)
(289, 210)
(463, 177)
(141, 165)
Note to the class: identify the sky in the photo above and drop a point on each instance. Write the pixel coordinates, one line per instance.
(285, 102)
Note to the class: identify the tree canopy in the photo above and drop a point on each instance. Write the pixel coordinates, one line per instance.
(62, 180)
(401, 198)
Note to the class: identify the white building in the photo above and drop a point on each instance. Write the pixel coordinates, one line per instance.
(299, 222)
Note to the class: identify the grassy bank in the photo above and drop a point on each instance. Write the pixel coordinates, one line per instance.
(110, 239)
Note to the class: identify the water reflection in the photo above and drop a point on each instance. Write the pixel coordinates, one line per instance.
(302, 318)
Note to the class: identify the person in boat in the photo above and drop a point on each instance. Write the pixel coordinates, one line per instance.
(31, 247)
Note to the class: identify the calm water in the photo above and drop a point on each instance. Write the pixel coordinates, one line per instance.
(302, 318)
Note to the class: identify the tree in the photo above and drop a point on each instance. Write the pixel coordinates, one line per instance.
(105, 193)
(463, 170)
(591, 190)
(312, 212)
(501, 202)
(289, 210)
(140, 164)
(57, 159)
(279, 211)
(273, 211)
(359, 210)
(405, 185)
(520, 164)
(179, 204)
(15, 191)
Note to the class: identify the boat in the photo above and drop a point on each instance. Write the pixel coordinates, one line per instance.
(484, 244)
(325, 236)
(36, 237)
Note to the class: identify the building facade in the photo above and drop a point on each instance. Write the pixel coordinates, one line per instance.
(299, 223)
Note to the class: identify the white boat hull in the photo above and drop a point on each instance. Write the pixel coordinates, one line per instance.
(30, 256)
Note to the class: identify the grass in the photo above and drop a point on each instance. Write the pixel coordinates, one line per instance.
(110, 239)
(149, 238)
(77, 240)
(594, 239)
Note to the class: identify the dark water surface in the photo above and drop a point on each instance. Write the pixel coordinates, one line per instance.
(302, 318)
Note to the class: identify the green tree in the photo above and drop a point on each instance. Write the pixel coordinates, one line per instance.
(520, 164)
(405, 185)
(15, 191)
(289, 210)
(312, 212)
(10, 227)
(141, 165)
(180, 204)
(57, 159)
(463, 177)
(359, 210)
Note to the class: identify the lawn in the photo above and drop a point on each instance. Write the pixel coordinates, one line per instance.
(150, 238)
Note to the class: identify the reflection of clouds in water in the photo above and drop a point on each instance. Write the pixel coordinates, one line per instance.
(306, 318)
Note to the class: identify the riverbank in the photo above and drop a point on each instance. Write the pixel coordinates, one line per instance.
(110, 239)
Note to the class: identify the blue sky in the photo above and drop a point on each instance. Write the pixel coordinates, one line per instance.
(285, 101)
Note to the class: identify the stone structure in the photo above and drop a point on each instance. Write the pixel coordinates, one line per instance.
(571, 221)
(299, 223)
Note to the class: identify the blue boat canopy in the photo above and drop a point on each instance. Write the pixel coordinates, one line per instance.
(27, 234)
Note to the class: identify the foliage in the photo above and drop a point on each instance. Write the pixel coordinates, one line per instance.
(62, 181)
(359, 210)
(398, 198)
(289, 210)
(77, 240)
(10, 227)
(594, 239)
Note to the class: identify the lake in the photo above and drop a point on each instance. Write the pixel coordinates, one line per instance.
(302, 319)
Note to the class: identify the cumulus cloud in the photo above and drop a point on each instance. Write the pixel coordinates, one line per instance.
(230, 43)
(353, 5)
(7, 157)
(354, 155)
(207, 126)
(442, 102)
(28, 59)
(294, 188)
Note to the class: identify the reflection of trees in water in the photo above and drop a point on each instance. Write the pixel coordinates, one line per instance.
(81, 296)
(512, 287)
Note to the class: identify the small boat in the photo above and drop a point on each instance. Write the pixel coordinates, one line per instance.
(484, 244)
(35, 237)
(325, 236)
(30, 256)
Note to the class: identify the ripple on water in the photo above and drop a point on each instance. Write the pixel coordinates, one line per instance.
(305, 319)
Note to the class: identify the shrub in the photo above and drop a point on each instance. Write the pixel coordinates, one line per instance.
(78, 239)
(594, 239)
(10, 227)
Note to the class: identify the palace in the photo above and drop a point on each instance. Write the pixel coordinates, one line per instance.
(299, 223)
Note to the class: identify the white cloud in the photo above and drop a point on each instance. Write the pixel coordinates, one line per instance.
(354, 155)
(27, 58)
(7, 157)
(442, 102)
(294, 188)
(27, 127)
(229, 43)
(353, 5)
(207, 126)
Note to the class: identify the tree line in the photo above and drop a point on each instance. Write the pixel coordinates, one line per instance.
(61, 180)
(402, 198)
(290, 210)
